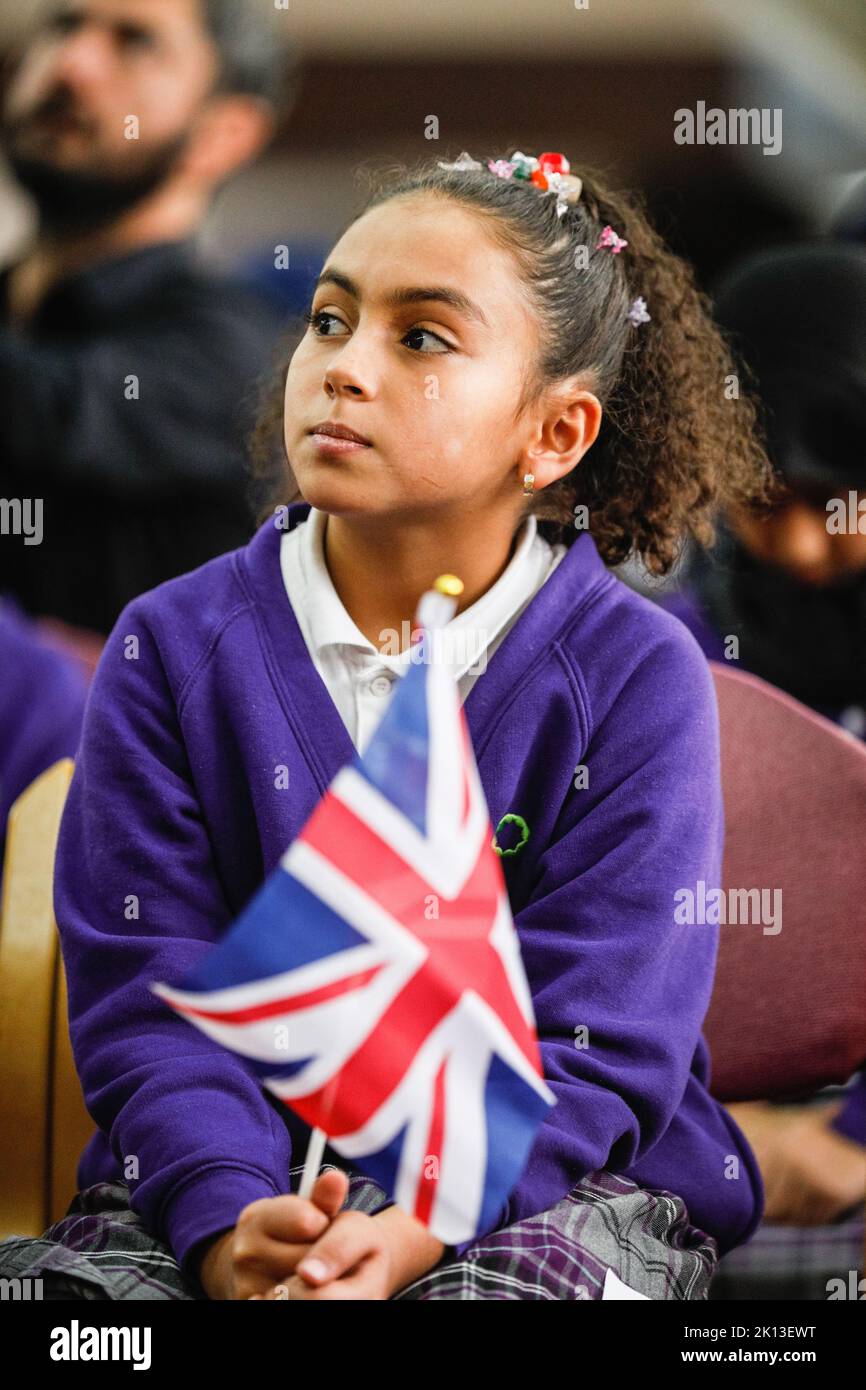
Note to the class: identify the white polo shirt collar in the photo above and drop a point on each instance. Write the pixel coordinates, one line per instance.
(328, 624)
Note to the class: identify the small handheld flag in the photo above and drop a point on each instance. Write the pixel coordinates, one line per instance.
(374, 983)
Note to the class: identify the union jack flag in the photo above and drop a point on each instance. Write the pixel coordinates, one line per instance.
(375, 984)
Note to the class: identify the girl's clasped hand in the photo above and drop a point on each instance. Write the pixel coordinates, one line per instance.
(289, 1247)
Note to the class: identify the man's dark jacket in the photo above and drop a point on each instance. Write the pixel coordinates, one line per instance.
(125, 405)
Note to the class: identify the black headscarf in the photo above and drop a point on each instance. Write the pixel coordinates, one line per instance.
(798, 316)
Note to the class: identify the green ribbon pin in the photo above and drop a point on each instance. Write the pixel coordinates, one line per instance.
(511, 819)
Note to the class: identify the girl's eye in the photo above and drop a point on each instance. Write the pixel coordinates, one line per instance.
(322, 317)
(315, 322)
(427, 333)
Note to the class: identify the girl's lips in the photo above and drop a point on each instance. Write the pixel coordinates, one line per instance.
(332, 444)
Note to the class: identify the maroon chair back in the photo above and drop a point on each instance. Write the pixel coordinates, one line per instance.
(788, 1011)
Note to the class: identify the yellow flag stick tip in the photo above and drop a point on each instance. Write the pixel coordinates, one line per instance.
(449, 584)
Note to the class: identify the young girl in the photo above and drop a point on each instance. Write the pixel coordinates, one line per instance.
(506, 376)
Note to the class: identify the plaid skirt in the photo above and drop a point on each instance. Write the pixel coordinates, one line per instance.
(101, 1250)
(794, 1263)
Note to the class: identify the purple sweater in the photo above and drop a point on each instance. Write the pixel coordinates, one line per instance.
(173, 819)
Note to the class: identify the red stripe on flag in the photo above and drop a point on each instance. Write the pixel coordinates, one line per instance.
(291, 1004)
(467, 754)
(433, 1152)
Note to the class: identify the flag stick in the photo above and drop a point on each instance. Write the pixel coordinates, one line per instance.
(312, 1162)
(436, 606)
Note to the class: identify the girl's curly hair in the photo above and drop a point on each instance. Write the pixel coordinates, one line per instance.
(680, 434)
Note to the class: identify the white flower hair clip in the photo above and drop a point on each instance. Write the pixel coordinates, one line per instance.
(462, 164)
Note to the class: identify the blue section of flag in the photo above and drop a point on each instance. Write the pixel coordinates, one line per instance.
(271, 1072)
(283, 927)
(514, 1111)
(396, 758)
(383, 1165)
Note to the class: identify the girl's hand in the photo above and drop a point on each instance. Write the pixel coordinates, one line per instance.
(352, 1260)
(812, 1174)
(270, 1237)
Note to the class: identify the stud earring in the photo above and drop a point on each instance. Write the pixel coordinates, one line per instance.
(528, 482)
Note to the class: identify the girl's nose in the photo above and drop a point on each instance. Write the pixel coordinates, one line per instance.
(335, 385)
(345, 377)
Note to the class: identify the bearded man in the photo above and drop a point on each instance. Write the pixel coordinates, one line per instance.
(126, 367)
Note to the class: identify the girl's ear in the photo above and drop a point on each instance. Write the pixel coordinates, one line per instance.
(564, 434)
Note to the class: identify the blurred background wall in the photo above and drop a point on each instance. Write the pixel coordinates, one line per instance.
(599, 79)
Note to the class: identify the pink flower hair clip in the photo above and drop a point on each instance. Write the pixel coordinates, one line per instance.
(609, 238)
(637, 314)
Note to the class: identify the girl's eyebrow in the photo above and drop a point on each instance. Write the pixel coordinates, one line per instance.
(410, 295)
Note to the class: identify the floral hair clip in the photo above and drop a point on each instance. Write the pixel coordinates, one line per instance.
(637, 314)
(550, 173)
(609, 238)
(502, 168)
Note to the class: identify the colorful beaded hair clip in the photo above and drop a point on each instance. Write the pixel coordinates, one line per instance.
(551, 173)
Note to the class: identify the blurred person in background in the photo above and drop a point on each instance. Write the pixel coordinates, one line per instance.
(125, 367)
(791, 586)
